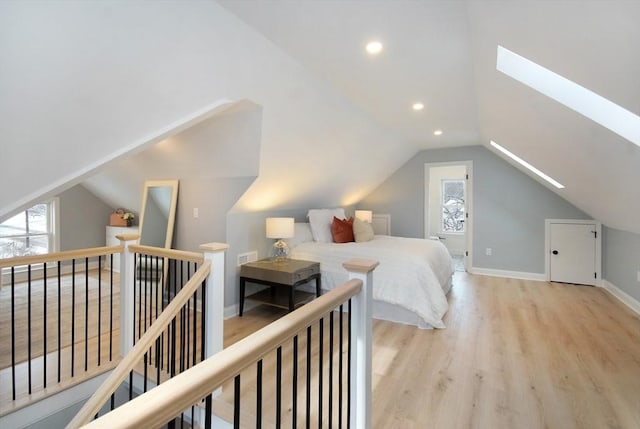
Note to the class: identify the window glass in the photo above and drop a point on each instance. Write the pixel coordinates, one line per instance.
(27, 233)
(453, 206)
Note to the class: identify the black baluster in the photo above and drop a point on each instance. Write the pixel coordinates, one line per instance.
(236, 403)
(86, 314)
(320, 368)
(308, 404)
(99, 307)
(29, 324)
(331, 369)
(73, 315)
(207, 411)
(259, 395)
(294, 388)
(13, 331)
(111, 309)
(341, 339)
(349, 366)
(59, 321)
(278, 387)
(44, 327)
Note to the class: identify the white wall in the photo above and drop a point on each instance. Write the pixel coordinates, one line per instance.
(85, 82)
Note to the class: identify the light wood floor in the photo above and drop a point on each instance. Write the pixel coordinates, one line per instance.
(515, 354)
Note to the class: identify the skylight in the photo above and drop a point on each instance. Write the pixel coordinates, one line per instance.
(586, 102)
(525, 164)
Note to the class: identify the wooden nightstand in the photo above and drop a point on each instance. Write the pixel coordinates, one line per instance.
(282, 276)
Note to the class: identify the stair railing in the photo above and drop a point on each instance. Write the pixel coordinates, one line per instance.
(135, 271)
(161, 404)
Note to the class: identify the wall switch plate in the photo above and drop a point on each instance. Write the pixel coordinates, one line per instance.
(639, 276)
(196, 212)
(488, 251)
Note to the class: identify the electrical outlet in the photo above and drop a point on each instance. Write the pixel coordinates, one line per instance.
(639, 276)
(196, 213)
(488, 251)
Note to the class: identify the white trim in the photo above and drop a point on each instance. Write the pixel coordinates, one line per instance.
(509, 274)
(547, 245)
(621, 295)
(468, 260)
(234, 309)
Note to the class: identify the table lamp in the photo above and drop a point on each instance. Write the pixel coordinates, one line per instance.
(279, 228)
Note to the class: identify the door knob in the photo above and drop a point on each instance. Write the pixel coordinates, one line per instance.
(555, 252)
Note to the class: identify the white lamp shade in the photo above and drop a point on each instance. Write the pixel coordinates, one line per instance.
(280, 227)
(364, 215)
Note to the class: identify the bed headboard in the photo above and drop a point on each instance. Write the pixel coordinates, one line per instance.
(381, 224)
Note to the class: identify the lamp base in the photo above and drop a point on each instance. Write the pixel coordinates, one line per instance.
(280, 250)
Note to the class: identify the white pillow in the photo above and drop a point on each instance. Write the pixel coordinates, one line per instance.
(320, 222)
(362, 231)
(302, 235)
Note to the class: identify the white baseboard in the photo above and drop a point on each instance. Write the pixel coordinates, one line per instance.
(622, 296)
(510, 274)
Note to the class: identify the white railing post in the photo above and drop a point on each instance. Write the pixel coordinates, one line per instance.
(214, 312)
(127, 293)
(361, 339)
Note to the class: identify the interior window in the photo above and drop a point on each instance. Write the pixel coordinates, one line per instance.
(453, 206)
(28, 233)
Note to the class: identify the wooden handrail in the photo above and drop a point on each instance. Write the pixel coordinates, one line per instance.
(102, 394)
(167, 253)
(60, 256)
(165, 401)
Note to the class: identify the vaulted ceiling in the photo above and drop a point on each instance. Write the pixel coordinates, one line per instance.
(85, 84)
(443, 53)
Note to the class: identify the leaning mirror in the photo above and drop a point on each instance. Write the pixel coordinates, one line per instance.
(157, 217)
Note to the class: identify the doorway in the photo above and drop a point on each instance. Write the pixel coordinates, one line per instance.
(447, 207)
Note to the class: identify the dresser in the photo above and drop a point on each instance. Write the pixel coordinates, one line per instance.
(111, 240)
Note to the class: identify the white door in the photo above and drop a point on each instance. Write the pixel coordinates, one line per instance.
(572, 256)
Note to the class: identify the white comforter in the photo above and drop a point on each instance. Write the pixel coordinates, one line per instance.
(413, 273)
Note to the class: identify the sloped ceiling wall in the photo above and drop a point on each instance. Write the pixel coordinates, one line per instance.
(597, 45)
(88, 82)
(444, 53)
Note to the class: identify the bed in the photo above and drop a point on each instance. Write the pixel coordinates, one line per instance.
(409, 285)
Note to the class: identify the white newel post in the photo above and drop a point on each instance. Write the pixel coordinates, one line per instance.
(214, 305)
(127, 292)
(214, 312)
(361, 338)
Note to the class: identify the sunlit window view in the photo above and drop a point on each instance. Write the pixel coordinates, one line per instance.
(27, 233)
(453, 206)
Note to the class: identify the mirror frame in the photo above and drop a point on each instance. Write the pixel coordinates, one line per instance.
(173, 184)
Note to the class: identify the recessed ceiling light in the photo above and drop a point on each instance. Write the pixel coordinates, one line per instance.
(418, 106)
(374, 47)
(437, 133)
(527, 165)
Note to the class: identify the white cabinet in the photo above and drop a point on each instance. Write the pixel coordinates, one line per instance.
(112, 232)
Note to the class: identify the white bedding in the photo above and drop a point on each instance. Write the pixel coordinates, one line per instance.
(413, 274)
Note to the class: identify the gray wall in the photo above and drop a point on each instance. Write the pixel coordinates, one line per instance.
(621, 260)
(509, 207)
(83, 218)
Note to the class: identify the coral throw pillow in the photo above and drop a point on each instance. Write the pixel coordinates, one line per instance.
(342, 230)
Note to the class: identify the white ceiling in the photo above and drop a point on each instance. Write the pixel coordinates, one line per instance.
(443, 53)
